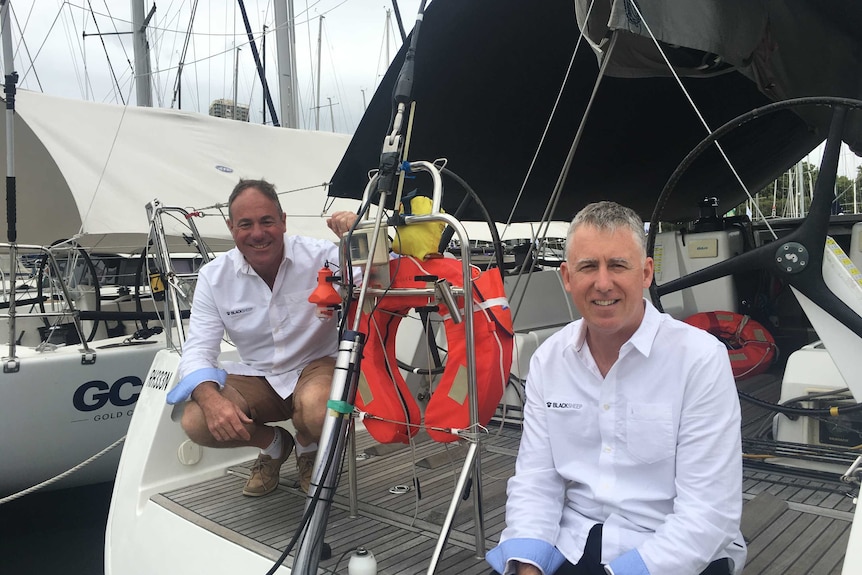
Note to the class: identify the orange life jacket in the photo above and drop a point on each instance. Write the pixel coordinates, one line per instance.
(392, 414)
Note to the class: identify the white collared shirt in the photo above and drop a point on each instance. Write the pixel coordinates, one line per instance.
(276, 332)
(652, 450)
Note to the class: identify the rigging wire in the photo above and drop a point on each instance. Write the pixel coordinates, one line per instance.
(158, 41)
(388, 28)
(177, 83)
(699, 115)
(107, 161)
(156, 34)
(45, 41)
(82, 46)
(179, 31)
(122, 45)
(107, 56)
(339, 89)
(23, 42)
(194, 87)
(399, 20)
(154, 39)
(311, 62)
(265, 27)
(224, 82)
(558, 186)
(548, 123)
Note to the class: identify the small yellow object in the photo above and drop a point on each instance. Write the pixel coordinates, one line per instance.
(833, 411)
(418, 240)
(156, 283)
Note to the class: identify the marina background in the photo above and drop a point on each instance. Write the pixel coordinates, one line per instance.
(62, 53)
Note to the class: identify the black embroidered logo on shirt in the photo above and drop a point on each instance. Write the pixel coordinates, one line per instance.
(564, 405)
(239, 311)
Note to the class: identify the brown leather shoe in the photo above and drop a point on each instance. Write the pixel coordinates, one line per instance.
(264, 472)
(304, 465)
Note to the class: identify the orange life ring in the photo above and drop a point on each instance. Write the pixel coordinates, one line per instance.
(750, 347)
(392, 414)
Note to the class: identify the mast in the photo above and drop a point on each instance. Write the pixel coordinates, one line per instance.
(387, 25)
(774, 197)
(178, 84)
(235, 82)
(800, 190)
(317, 107)
(285, 41)
(10, 79)
(143, 71)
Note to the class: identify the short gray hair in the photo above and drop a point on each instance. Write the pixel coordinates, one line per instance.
(608, 216)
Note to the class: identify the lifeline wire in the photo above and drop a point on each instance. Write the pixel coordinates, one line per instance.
(62, 475)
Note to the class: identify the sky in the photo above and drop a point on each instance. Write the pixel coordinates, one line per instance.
(63, 55)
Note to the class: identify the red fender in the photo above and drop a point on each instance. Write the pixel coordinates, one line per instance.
(383, 392)
(750, 347)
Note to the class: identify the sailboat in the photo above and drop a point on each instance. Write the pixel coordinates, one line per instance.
(81, 335)
(83, 172)
(609, 120)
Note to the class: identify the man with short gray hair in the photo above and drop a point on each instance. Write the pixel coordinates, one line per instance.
(630, 460)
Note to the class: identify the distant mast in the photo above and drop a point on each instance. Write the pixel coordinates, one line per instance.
(10, 79)
(285, 41)
(143, 71)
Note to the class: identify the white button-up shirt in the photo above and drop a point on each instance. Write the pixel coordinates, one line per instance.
(276, 332)
(652, 450)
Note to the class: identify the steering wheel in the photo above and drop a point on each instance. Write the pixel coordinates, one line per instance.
(72, 276)
(808, 241)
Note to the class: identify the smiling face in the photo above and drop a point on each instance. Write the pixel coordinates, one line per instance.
(258, 225)
(606, 272)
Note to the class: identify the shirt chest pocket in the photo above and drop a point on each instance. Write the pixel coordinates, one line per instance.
(650, 433)
(297, 311)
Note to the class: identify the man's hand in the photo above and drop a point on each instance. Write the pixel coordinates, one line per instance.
(341, 222)
(225, 420)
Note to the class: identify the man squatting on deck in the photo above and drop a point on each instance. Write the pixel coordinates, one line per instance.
(630, 461)
(258, 294)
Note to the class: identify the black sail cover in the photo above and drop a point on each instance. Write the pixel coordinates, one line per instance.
(489, 72)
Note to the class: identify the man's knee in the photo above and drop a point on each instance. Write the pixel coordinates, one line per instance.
(314, 384)
(312, 396)
(195, 425)
(309, 405)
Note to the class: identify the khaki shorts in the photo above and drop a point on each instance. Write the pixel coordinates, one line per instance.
(264, 404)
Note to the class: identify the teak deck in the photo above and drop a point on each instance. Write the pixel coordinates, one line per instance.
(794, 523)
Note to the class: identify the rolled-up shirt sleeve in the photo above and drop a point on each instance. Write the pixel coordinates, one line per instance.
(183, 390)
(505, 556)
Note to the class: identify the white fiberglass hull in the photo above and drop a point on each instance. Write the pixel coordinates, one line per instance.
(157, 457)
(59, 411)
